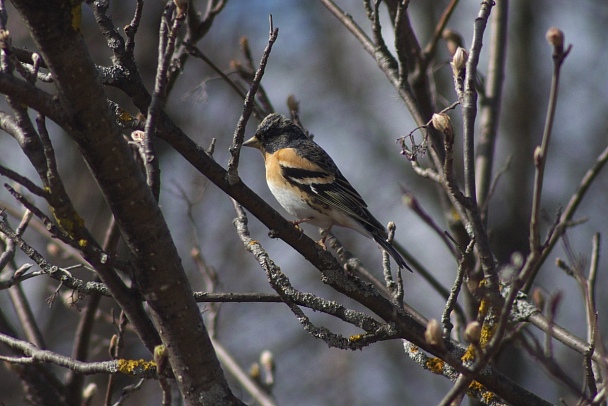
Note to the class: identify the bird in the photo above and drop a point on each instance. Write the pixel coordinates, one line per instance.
(308, 185)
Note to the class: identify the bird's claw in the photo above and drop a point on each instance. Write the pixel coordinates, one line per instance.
(321, 242)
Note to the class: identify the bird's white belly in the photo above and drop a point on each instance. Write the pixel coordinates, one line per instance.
(297, 207)
(294, 204)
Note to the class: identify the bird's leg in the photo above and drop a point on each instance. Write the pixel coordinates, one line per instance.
(297, 223)
(324, 234)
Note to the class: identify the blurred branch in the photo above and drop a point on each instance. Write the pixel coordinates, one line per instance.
(490, 109)
(385, 62)
(197, 53)
(198, 25)
(251, 386)
(84, 331)
(549, 363)
(19, 299)
(23, 181)
(246, 72)
(412, 202)
(429, 50)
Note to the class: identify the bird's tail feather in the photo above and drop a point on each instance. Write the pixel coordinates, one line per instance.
(388, 247)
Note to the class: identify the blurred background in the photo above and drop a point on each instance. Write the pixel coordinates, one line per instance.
(356, 116)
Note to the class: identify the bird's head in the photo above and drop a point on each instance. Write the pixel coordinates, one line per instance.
(273, 132)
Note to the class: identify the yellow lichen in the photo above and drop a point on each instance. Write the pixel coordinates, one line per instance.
(476, 390)
(76, 15)
(469, 354)
(125, 116)
(483, 307)
(133, 367)
(70, 222)
(488, 397)
(475, 386)
(487, 332)
(435, 365)
(455, 215)
(82, 243)
(355, 338)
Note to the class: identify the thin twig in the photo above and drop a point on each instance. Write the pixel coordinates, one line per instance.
(23, 181)
(469, 112)
(540, 154)
(131, 29)
(197, 53)
(166, 47)
(33, 355)
(239, 132)
(280, 283)
(537, 253)
(452, 301)
(412, 202)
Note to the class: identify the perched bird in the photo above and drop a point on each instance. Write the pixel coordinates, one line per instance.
(308, 184)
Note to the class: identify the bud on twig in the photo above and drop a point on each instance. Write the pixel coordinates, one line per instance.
(293, 104)
(22, 270)
(88, 393)
(182, 6)
(391, 227)
(538, 156)
(112, 347)
(453, 40)
(433, 334)
(255, 371)
(443, 123)
(555, 37)
(267, 361)
(459, 61)
(5, 39)
(161, 358)
(472, 332)
(539, 299)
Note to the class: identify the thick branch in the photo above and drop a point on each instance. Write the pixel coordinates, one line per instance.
(158, 270)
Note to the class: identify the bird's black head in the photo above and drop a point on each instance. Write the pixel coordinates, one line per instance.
(274, 132)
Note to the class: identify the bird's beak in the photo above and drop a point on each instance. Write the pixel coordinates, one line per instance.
(253, 142)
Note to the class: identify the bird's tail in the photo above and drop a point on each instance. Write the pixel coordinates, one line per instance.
(388, 247)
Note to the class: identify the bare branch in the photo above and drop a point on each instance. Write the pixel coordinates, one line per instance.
(248, 105)
(35, 355)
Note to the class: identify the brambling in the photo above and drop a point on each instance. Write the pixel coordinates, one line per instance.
(308, 184)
